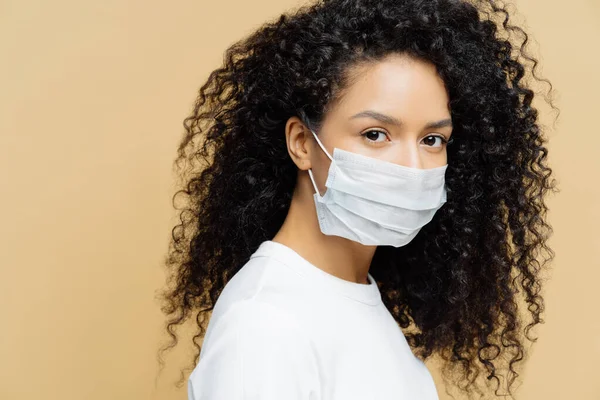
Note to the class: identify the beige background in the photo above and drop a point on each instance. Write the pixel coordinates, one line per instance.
(92, 98)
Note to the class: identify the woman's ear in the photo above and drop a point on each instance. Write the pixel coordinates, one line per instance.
(296, 136)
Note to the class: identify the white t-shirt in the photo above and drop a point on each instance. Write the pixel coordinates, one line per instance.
(284, 329)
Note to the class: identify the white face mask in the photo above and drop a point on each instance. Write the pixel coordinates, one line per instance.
(376, 202)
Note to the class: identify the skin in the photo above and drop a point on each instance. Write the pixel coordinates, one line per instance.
(399, 87)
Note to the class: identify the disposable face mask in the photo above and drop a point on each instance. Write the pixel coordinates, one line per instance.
(376, 202)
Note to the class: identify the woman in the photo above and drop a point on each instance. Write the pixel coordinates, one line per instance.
(357, 167)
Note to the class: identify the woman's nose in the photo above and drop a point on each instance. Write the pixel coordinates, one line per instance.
(409, 156)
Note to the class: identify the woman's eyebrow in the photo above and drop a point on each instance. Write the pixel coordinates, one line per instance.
(388, 119)
(439, 124)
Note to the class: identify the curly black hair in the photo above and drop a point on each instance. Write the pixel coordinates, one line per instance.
(454, 289)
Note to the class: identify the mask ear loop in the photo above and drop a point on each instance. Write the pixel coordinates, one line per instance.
(321, 145)
(309, 170)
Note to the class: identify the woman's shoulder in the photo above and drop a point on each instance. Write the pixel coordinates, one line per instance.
(262, 285)
(254, 315)
(254, 347)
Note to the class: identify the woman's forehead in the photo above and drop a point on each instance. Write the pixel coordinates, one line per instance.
(404, 89)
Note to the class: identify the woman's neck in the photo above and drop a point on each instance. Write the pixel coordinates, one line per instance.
(341, 257)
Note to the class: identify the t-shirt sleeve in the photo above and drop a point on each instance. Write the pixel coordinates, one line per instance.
(255, 351)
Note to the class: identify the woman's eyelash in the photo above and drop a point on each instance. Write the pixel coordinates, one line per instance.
(444, 140)
(364, 134)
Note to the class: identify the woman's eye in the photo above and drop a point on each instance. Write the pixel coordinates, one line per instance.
(431, 140)
(373, 136)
